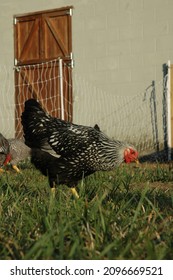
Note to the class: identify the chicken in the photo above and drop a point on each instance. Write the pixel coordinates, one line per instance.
(2, 160)
(4, 151)
(4, 145)
(67, 152)
(12, 151)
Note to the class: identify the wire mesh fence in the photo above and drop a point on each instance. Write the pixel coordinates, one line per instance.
(140, 119)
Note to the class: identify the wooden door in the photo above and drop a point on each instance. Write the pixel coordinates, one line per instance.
(40, 39)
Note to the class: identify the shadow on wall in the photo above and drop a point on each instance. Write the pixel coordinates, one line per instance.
(160, 153)
(153, 114)
(165, 109)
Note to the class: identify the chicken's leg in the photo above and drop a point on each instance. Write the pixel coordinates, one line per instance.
(16, 168)
(74, 192)
(53, 189)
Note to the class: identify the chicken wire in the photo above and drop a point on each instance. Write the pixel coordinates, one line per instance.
(140, 119)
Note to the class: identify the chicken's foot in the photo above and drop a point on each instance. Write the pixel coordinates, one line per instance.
(74, 192)
(16, 168)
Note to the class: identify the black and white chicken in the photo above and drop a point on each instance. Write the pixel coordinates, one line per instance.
(67, 152)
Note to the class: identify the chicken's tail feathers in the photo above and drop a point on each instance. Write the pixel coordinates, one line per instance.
(4, 144)
(32, 104)
(32, 111)
(34, 120)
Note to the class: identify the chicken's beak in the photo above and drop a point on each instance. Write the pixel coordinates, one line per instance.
(137, 161)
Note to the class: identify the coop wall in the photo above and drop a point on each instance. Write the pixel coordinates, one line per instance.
(119, 48)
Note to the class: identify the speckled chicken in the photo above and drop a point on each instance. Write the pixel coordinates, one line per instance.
(67, 152)
(13, 151)
(2, 160)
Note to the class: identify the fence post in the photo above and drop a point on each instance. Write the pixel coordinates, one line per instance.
(169, 110)
(61, 87)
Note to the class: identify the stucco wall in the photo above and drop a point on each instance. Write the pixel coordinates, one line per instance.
(119, 47)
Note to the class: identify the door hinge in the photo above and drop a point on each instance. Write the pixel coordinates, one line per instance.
(70, 12)
(71, 62)
(15, 20)
(15, 61)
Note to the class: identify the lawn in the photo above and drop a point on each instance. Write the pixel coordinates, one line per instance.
(126, 213)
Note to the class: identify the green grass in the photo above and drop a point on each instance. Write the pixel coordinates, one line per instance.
(123, 214)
